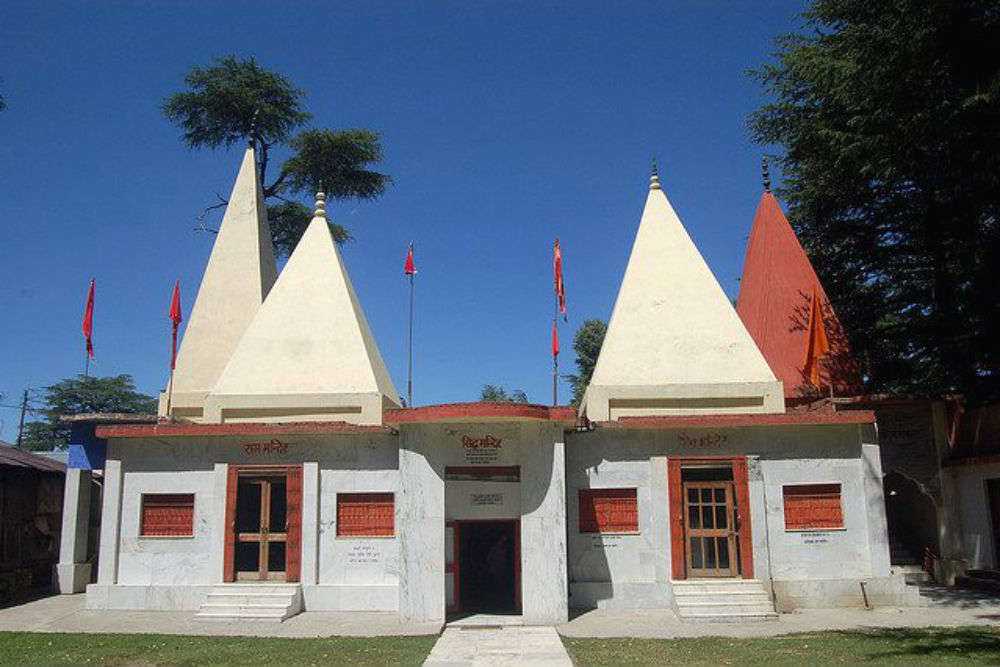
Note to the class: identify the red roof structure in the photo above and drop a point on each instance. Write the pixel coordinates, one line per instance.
(775, 295)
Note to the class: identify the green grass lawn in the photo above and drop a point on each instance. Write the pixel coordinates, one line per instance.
(923, 646)
(26, 648)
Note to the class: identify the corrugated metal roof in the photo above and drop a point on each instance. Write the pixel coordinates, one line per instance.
(9, 456)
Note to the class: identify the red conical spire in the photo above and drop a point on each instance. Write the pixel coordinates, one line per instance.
(776, 294)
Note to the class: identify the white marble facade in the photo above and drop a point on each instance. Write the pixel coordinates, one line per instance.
(560, 567)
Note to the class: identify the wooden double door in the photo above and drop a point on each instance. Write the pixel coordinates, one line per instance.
(711, 531)
(264, 524)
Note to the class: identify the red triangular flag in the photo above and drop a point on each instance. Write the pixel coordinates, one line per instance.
(555, 340)
(175, 317)
(817, 343)
(560, 287)
(88, 321)
(409, 268)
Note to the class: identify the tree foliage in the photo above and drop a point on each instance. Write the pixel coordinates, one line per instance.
(494, 393)
(237, 100)
(80, 395)
(889, 117)
(587, 344)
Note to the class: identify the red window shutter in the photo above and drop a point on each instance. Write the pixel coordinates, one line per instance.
(366, 515)
(608, 511)
(167, 514)
(293, 524)
(812, 506)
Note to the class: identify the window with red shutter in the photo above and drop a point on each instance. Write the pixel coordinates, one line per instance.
(812, 507)
(608, 511)
(366, 515)
(167, 515)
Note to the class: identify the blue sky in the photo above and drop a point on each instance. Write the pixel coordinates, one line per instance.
(505, 125)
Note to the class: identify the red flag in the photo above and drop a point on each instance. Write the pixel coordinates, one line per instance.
(560, 287)
(817, 344)
(175, 317)
(88, 321)
(409, 268)
(555, 340)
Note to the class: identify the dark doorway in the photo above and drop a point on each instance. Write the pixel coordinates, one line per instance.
(993, 491)
(911, 520)
(489, 562)
(261, 528)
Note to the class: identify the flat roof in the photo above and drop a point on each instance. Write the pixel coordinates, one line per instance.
(481, 411)
(191, 429)
(805, 418)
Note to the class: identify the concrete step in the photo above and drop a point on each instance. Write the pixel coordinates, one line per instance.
(724, 609)
(723, 601)
(755, 597)
(746, 617)
(262, 602)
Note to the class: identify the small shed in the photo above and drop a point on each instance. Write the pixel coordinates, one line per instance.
(31, 497)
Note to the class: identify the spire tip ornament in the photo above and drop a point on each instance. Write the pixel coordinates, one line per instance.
(654, 178)
(765, 174)
(320, 211)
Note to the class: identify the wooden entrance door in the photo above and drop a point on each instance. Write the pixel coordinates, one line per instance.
(710, 535)
(261, 528)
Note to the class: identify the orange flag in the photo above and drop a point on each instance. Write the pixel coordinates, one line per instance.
(817, 344)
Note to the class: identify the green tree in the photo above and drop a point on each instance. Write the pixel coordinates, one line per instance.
(888, 114)
(494, 393)
(235, 101)
(587, 344)
(79, 395)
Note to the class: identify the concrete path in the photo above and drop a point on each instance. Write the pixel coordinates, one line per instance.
(66, 613)
(950, 610)
(511, 645)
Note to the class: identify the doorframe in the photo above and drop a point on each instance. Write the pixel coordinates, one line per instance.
(293, 495)
(741, 481)
(456, 559)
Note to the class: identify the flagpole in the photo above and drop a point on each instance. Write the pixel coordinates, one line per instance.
(555, 364)
(409, 360)
(86, 364)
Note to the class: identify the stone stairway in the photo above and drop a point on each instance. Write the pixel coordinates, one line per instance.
(723, 601)
(913, 574)
(252, 602)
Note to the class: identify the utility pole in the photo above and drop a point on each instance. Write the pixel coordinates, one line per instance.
(20, 427)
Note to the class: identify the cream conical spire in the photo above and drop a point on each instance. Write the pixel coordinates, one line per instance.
(309, 353)
(674, 343)
(238, 276)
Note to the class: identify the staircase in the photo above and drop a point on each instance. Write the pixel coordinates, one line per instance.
(252, 602)
(723, 601)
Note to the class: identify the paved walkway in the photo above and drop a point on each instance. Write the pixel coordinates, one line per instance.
(66, 613)
(511, 645)
(946, 608)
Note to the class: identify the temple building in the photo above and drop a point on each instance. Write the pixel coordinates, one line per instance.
(282, 473)
(940, 463)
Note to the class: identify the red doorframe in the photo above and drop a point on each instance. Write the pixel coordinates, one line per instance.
(293, 499)
(456, 563)
(741, 481)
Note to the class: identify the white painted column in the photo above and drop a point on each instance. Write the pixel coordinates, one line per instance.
(420, 526)
(659, 510)
(72, 571)
(761, 529)
(217, 554)
(878, 531)
(544, 592)
(111, 514)
(310, 524)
